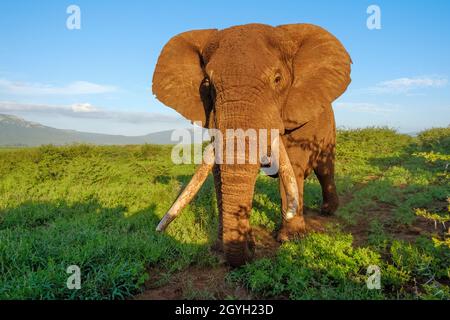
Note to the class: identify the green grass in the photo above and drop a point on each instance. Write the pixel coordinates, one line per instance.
(97, 207)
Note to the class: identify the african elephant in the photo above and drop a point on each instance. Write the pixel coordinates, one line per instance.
(258, 76)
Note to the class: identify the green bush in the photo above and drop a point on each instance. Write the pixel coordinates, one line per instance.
(436, 139)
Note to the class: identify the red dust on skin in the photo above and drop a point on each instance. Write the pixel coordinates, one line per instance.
(257, 76)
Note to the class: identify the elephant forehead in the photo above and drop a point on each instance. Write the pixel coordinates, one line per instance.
(232, 39)
(242, 38)
(242, 56)
(245, 44)
(248, 29)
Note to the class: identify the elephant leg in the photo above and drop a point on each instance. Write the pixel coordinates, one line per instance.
(325, 173)
(294, 227)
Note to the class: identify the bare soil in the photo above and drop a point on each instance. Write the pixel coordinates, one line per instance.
(195, 283)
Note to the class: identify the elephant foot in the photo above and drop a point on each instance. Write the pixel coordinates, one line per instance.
(329, 207)
(293, 229)
(240, 257)
(236, 253)
(217, 246)
(251, 244)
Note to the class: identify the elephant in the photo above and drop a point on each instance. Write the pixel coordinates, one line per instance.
(262, 77)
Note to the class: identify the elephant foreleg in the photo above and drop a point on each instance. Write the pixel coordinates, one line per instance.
(325, 173)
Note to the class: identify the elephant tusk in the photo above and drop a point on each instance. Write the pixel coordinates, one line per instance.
(287, 176)
(190, 191)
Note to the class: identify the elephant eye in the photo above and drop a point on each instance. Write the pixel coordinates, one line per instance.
(277, 79)
(206, 81)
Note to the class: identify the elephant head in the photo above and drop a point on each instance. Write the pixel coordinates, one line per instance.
(248, 77)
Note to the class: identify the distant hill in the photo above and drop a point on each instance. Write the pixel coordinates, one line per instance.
(15, 131)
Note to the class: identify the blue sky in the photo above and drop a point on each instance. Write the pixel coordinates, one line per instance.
(98, 78)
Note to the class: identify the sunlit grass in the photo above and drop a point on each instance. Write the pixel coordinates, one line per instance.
(97, 207)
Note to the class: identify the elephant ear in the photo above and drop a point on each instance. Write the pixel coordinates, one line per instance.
(321, 73)
(179, 74)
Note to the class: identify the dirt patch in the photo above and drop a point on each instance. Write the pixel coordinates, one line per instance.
(193, 283)
(266, 243)
(316, 222)
(420, 227)
(384, 214)
(424, 227)
(360, 230)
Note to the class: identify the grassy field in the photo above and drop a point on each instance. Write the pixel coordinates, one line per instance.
(97, 207)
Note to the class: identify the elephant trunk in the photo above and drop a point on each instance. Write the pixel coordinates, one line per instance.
(235, 187)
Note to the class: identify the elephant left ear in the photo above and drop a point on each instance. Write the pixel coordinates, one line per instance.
(321, 68)
(178, 76)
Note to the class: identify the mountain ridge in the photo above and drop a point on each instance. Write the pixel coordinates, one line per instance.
(16, 131)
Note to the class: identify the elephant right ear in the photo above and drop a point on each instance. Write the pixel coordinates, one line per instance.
(321, 68)
(179, 74)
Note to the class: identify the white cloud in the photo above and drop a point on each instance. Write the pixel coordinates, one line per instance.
(366, 107)
(83, 107)
(406, 85)
(88, 111)
(74, 88)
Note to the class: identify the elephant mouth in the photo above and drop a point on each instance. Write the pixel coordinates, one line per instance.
(278, 162)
